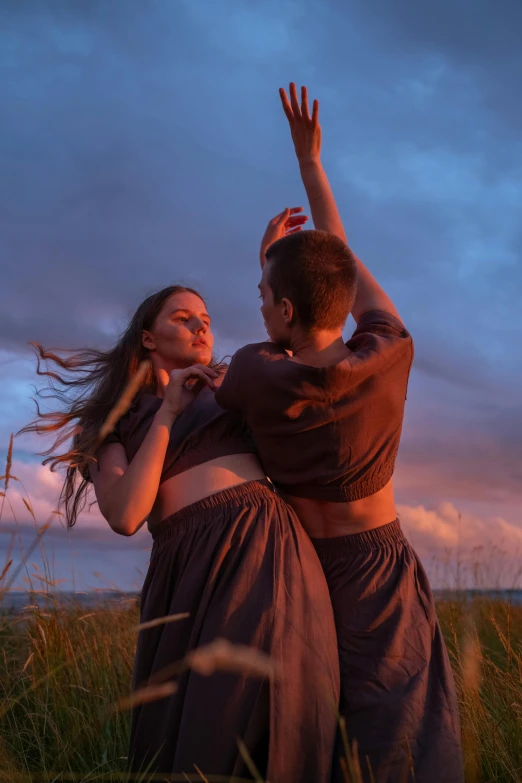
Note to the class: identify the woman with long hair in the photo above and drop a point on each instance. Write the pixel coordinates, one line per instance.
(228, 553)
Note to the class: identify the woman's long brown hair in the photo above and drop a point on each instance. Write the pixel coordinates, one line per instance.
(87, 385)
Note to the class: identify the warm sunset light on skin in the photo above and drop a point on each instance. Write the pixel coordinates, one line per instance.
(260, 409)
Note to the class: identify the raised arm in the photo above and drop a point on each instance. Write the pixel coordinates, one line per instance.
(306, 135)
(126, 492)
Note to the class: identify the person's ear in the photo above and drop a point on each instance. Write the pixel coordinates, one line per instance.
(287, 311)
(147, 340)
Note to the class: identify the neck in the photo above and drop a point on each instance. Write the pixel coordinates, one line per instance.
(162, 370)
(319, 348)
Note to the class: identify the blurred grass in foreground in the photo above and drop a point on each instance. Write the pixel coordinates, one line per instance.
(64, 668)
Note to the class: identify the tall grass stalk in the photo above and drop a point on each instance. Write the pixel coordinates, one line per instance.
(64, 669)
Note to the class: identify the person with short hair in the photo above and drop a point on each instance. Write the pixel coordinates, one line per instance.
(326, 416)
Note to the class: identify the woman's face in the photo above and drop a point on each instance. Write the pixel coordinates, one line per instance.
(181, 334)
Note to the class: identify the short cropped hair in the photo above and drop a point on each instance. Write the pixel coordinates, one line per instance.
(316, 271)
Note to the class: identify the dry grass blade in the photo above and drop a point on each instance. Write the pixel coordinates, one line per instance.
(247, 758)
(42, 633)
(147, 694)
(350, 764)
(48, 582)
(31, 549)
(203, 778)
(125, 401)
(6, 569)
(169, 618)
(29, 508)
(28, 661)
(9, 463)
(221, 655)
(408, 768)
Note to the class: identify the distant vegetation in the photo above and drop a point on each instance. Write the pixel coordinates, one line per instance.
(65, 669)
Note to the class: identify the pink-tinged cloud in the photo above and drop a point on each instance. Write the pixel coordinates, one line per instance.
(41, 488)
(464, 550)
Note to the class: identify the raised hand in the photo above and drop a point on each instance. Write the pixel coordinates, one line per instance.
(305, 130)
(287, 222)
(185, 385)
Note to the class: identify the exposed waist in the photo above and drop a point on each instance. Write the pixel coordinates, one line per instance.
(327, 519)
(204, 480)
(203, 512)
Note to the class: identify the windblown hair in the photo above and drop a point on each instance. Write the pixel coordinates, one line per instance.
(316, 271)
(88, 385)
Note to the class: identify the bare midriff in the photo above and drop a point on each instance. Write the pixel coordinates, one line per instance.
(204, 480)
(325, 519)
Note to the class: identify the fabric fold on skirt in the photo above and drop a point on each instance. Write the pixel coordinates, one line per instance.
(243, 568)
(397, 690)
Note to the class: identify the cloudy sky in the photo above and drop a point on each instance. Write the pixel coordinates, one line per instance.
(143, 144)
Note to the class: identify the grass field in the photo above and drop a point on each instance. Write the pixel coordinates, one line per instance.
(63, 670)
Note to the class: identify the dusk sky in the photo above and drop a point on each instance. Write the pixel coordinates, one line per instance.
(144, 144)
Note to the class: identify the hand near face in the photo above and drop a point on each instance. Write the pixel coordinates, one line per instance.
(305, 129)
(289, 221)
(185, 385)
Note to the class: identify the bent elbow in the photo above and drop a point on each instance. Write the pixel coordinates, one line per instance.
(123, 526)
(123, 531)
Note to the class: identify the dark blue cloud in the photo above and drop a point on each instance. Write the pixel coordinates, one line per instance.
(144, 144)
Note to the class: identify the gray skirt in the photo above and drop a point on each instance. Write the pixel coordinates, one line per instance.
(397, 690)
(242, 566)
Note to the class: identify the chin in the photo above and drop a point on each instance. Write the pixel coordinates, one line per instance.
(202, 357)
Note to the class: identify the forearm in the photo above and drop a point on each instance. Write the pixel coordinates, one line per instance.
(321, 199)
(370, 295)
(129, 502)
(326, 217)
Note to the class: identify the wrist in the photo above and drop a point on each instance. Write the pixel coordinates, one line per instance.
(309, 162)
(166, 415)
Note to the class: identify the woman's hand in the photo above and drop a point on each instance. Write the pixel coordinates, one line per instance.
(287, 222)
(185, 385)
(305, 130)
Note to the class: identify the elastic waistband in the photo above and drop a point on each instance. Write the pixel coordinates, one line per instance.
(258, 489)
(377, 538)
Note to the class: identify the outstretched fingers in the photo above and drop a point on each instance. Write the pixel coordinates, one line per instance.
(296, 109)
(315, 113)
(286, 105)
(305, 111)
